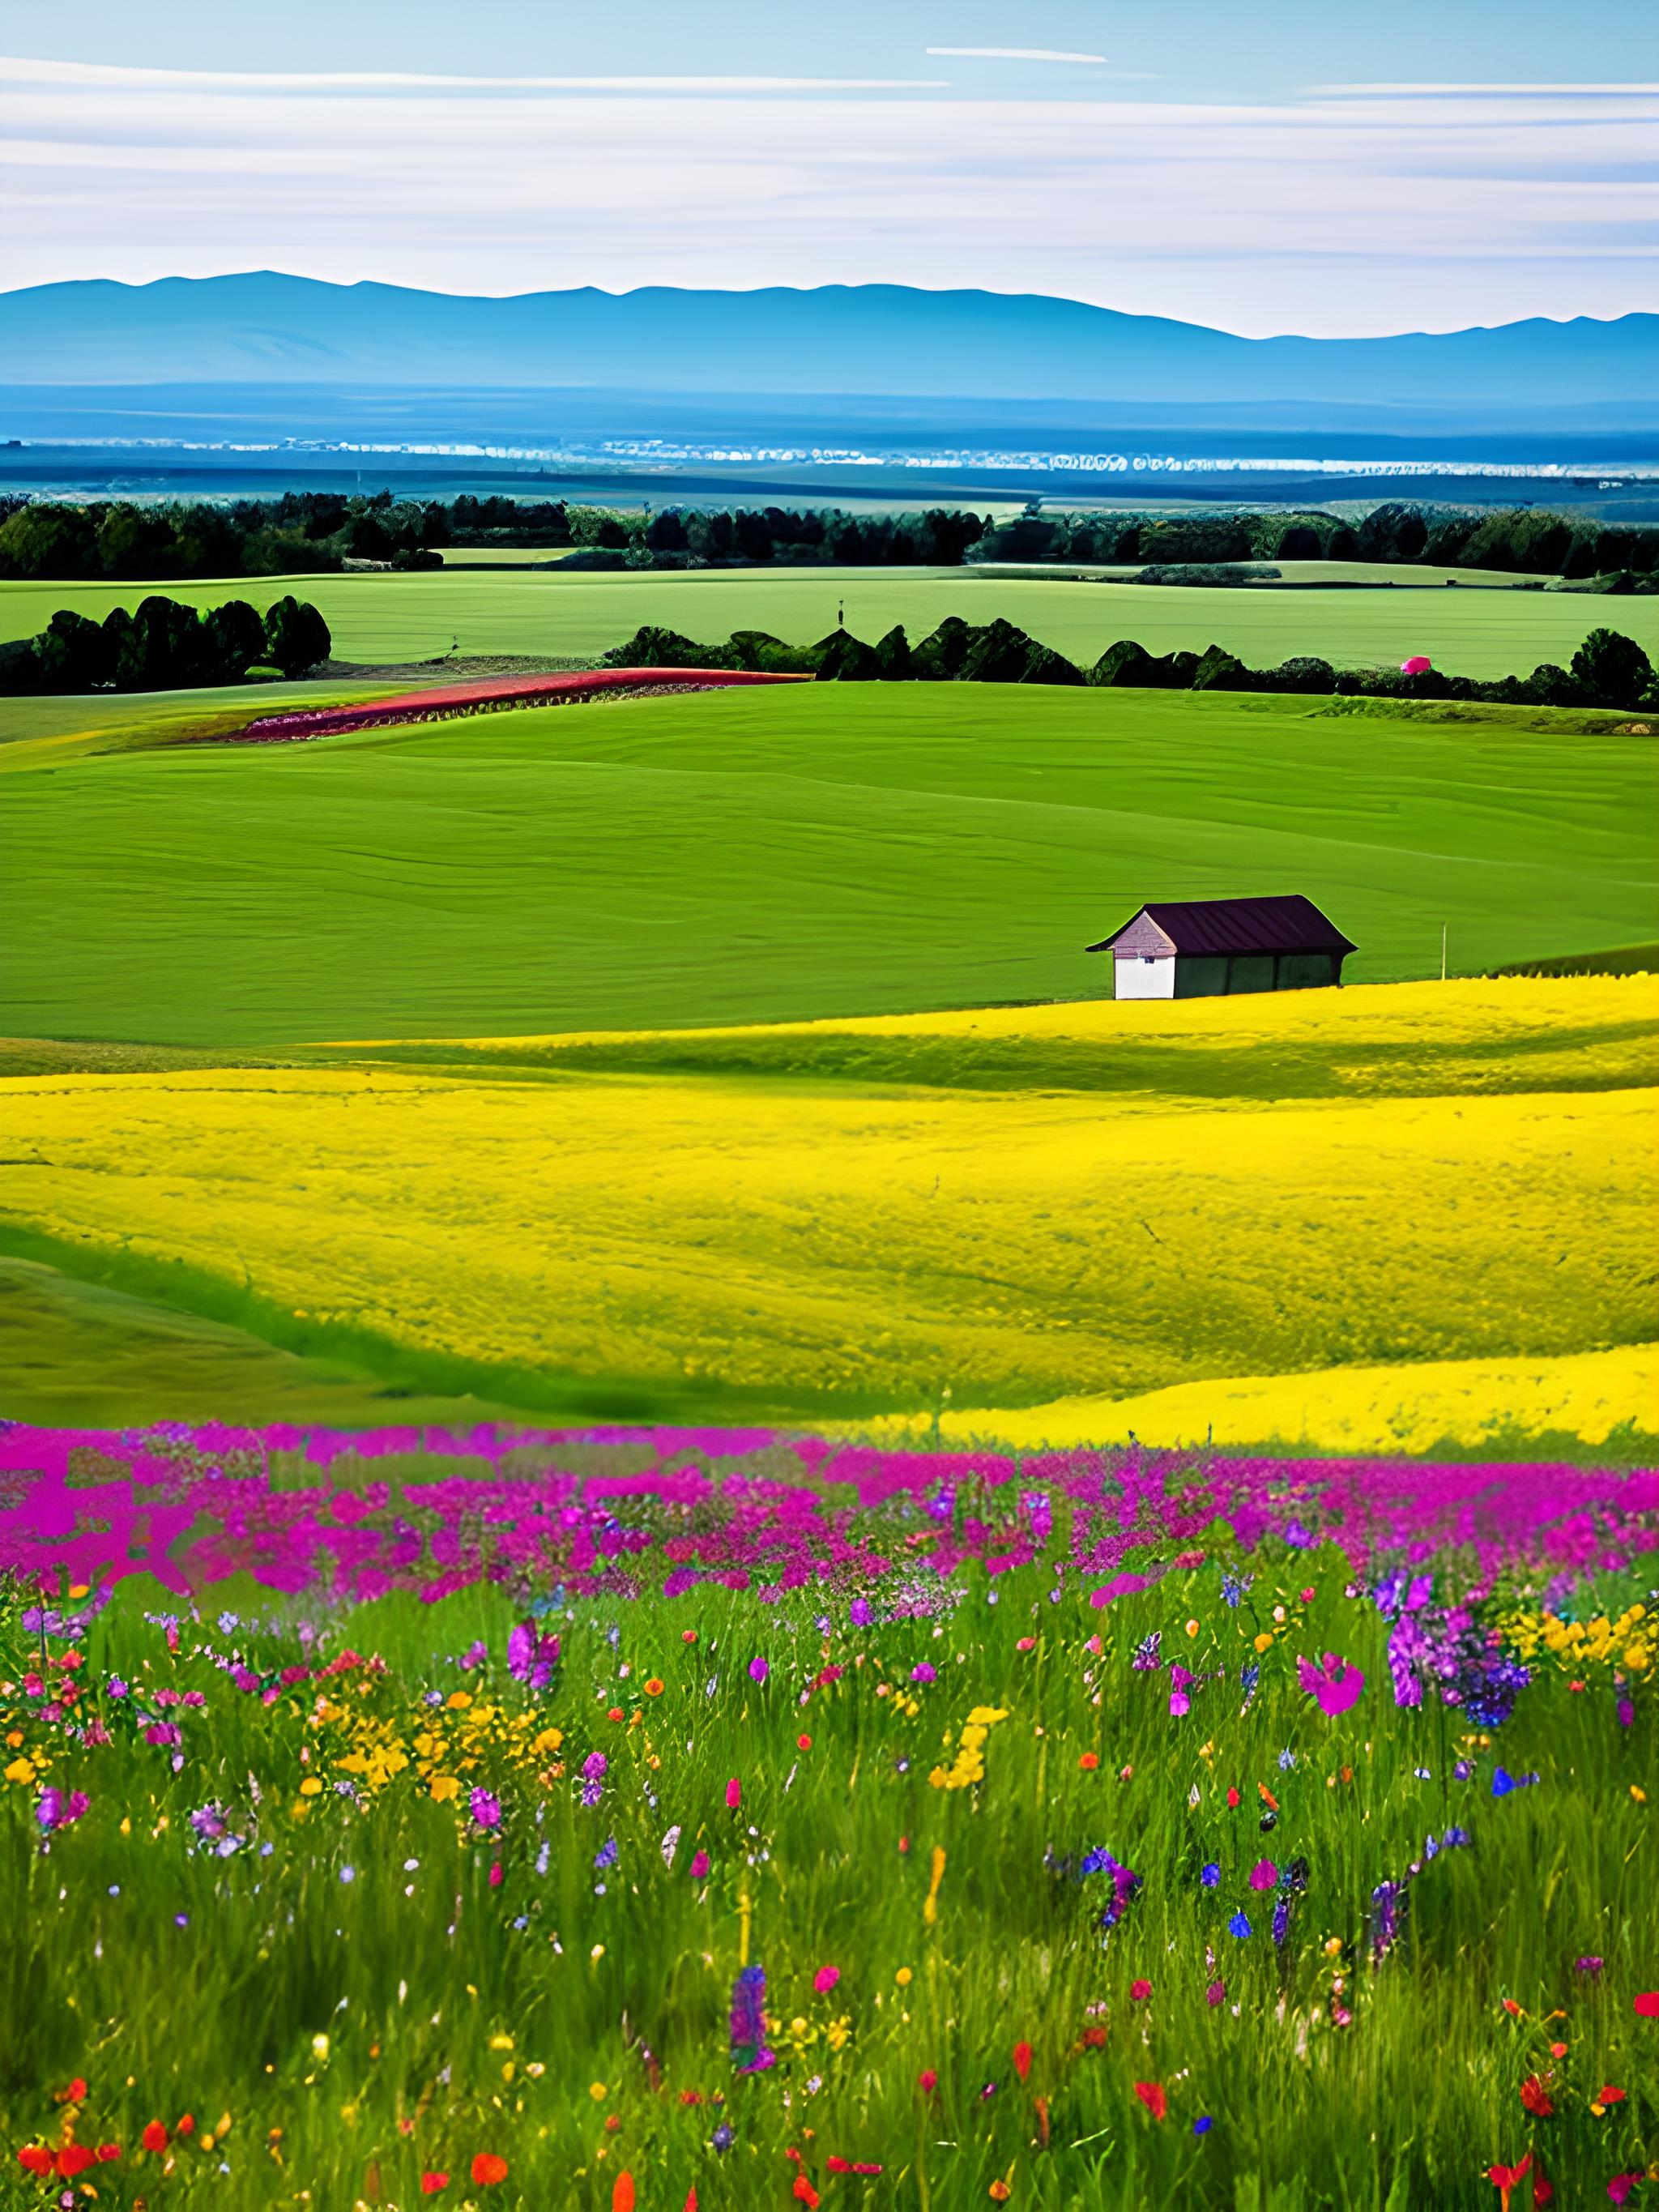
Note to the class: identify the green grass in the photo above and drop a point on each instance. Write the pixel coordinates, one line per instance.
(364, 2004)
(777, 855)
(385, 618)
(76, 1354)
(1621, 960)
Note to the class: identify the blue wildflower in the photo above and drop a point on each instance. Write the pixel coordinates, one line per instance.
(1239, 1926)
(1249, 1677)
(1209, 1876)
(1202, 2125)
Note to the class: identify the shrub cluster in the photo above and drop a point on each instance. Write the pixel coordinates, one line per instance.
(164, 646)
(1608, 669)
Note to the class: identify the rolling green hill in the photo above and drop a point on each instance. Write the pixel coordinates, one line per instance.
(823, 850)
(383, 617)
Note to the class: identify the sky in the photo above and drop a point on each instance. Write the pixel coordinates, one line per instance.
(1338, 168)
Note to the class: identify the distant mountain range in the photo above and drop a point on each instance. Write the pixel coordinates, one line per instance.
(268, 330)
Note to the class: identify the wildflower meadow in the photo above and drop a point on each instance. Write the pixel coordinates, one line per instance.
(673, 1819)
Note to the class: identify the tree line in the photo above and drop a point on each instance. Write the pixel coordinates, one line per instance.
(307, 531)
(164, 645)
(1608, 669)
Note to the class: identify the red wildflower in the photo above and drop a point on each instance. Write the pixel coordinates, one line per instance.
(804, 2190)
(733, 1795)
(1232, 1799)
(1619, 2187)
(690, 2096)
(74, 2094)
(1506, 2178)
(73, 2159)
(614, 1713)
(155, 2136)
(690, 2200)
(927, 2080)
(1022, 2059)
(1139, 1992)
(803, 1743)
(1268, 1797)
(488, 2166)
(1536, 2098)
(185, 2126)
(1094, 2037)
(108, 2152)
(1542, 2191)
(432, 2183)
(1090, 1760)
(621, 2193)
(1647, 2004)
(1512, 2008)
(34, 2158)
(1150, 2094)
(1609, 2095)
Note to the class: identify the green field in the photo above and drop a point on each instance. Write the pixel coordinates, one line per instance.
(380, 617)
(782, 854)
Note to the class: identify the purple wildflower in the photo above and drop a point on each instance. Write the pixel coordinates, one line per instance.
(486, 1809)
(54, 1810)
(531, 1656)
(758, 1670)
(750, 2054)
(1391, 1903)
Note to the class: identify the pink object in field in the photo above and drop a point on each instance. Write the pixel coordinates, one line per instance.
(488, 693)
(1418, 664)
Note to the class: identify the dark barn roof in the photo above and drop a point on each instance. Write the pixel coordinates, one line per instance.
(1292, 924)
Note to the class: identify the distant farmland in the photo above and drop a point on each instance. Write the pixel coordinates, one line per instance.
(1468, 630)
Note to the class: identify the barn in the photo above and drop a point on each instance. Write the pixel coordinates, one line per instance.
(1209, 948)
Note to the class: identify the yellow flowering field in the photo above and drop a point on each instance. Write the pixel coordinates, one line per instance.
(1410, 1407)
(814, 1241)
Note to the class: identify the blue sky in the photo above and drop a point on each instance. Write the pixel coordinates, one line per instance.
(1343, 166)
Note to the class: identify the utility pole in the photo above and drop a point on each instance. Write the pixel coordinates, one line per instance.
(1442, 951)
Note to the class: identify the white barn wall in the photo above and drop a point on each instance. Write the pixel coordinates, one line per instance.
(1138, 975)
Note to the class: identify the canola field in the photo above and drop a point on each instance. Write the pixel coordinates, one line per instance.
(955, 1217)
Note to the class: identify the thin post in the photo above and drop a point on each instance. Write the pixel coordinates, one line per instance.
(1442, 951)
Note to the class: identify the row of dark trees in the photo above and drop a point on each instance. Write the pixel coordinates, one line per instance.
(1608, 669)
(163, 646)
(303, 532)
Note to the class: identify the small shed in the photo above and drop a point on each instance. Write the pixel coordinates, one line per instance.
(1208, 948)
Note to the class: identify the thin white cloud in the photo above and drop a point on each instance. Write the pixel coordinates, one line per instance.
(117, 76)
(1009, 54)
(1562, 91)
